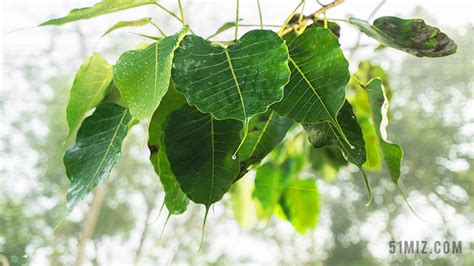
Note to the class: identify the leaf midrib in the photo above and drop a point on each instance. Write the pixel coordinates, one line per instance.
(212, 162)
(312, 88)
(261, 134)
(236, 83)
(108, 148)
(354, 161)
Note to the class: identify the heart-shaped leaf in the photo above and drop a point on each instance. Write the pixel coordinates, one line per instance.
(392, 153)
(319, 75)
(89, 88)
(265, 132)
(199, 149)
(102, 8)
(175, 199)
(99, 140)
(413, 36)
(143, 76)
(234, 82)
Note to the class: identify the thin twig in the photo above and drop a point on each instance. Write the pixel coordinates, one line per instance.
(359, 35)
(174, 15)
(260, 14)
(282, 32)
(312, 17)
(181, 12)
(236, 34)
(169, 12)
(158, 28)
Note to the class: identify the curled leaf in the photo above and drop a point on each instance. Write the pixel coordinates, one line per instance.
(392, 153)
(413, 36)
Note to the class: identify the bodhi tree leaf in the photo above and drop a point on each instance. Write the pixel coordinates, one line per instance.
(102, 8)
(270, 183)
(89, 88)
(199, 149)
(409, 35)
(99, 140)
(319, 75)
(326, 161)
(175, 199)
(128, 23)
(324, 133)
(242, 203)
(265, 132)
(332, 26)
(234, 82)
(366, 72)
(301, 205)
(392, 153)
(143, 75)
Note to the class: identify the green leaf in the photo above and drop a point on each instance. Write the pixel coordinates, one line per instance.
(319, 75)
(224, 27)
(270, 183)
(326, 161)
(243, 205)
(99, 140)
(392, 153)
(301, 204)
(360, 102)
(413, 36)
(128, 23)
(324, 133)
(175, 199)
(89, 88)
(143, 75)
(265, 132)
(102, 8)
(332, 26)
(236, 82)
(199, 150)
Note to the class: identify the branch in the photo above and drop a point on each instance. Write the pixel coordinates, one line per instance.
(90, 222)
(312, 17)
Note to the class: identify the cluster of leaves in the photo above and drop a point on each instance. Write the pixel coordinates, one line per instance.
(216, 110)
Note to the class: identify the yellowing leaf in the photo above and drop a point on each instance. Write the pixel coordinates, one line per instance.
(89, 88)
